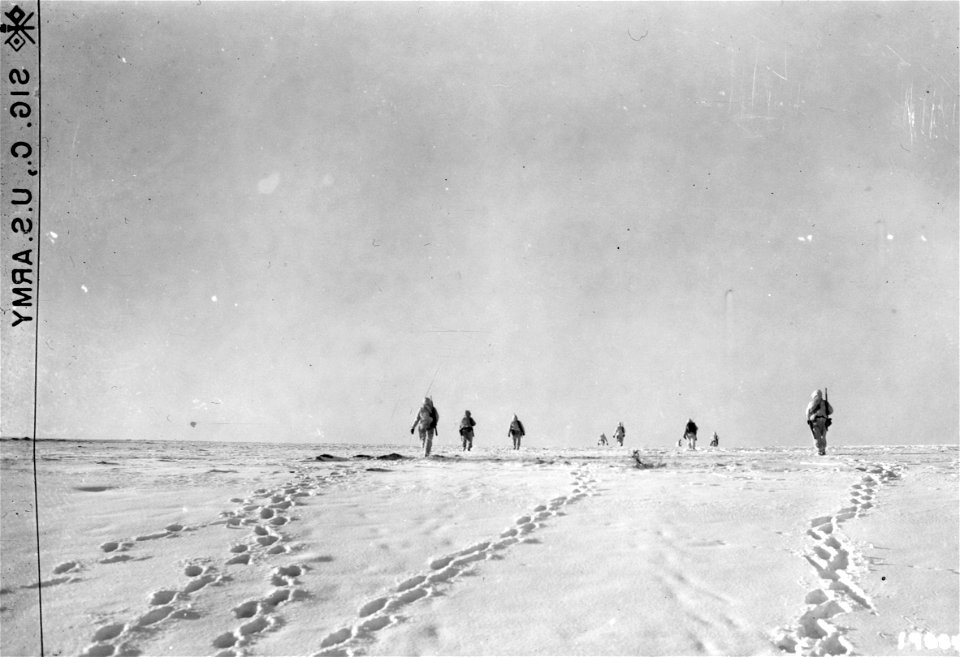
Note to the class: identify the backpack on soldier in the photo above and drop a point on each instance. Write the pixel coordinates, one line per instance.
(426, 417)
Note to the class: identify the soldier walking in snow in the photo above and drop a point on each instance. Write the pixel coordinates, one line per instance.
(466, 431)
(516, 431)
(819, 411)
(690, 434)
(427, 418)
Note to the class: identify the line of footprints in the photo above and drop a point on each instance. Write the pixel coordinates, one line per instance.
(264, 513)
(116, 550)
(258, 616)
(119, 638)
(831, 559)
(382, 612)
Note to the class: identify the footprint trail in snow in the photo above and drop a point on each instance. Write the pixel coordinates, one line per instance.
(836, 563)
(264, 513)
(384, 611)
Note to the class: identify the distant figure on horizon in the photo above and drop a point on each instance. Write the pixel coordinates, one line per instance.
(603, 439)
(427, 418)
(716, 440)
(466, 431)
(819, 411)
(620, 433)
(516, 431)
(690, 434)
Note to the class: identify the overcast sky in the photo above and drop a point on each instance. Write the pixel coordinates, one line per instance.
(288, 222)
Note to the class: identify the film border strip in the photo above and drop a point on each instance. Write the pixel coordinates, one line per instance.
(20, 194)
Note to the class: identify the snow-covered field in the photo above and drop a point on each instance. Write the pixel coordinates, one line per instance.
(258, 549)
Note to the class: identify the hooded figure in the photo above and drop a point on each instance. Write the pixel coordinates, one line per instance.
(716, 440)
(620, 433)
(427, 418)
(819, 411)
(603, 439)
(690, 433)
(516, 431)
(466, 431)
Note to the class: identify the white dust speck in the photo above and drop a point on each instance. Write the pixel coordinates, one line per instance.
(213, 298)
(809, 238)
(923, 238)
(802, 238)
(269, 184)
(52, 236)
(84, 288)
(889, 236)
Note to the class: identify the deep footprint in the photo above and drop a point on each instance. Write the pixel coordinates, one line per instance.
(197, 584)
(337, 637)
(155, 616)
(374, 624)
(162, 597)
(441, 563)
(255, 626)
(225, 640)
(372, 607)
(108, 632)
(66, 567)
(409, 596)
(410, 583)
(277, 597)
(442, 575)
(117, 558)
(289, 571)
